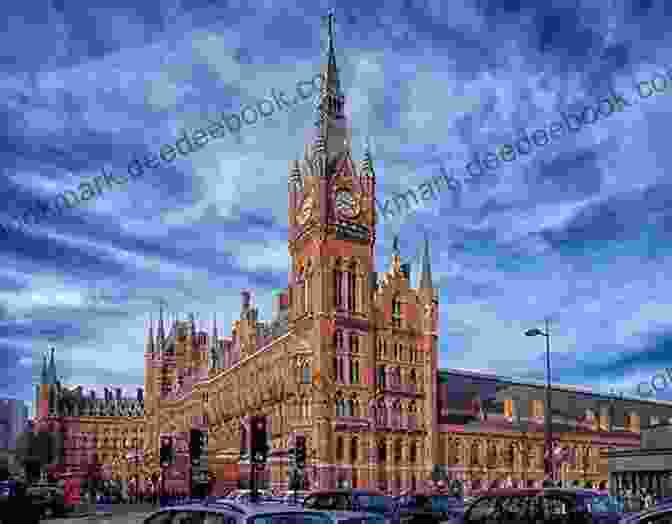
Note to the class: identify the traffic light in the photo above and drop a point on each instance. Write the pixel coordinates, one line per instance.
(196, 444)
(166, 454)
(300, 451)
(259, 440)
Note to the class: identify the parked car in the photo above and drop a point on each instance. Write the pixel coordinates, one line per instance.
(548, 505)
(245, 495)
(362, 500)
(50, 498)
(238, 513)
(419, 508)
(658, 514)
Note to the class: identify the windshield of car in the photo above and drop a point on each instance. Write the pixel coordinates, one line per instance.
(602, 504)
(290, 518)
(444, 503)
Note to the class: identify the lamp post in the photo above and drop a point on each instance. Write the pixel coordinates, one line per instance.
(548, 436)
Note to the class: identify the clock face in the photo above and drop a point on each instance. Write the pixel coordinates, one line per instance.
(346, 205)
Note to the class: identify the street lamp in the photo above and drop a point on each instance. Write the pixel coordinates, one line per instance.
(548, 451)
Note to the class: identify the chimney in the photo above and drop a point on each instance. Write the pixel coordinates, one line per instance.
(139, 394)
(118, 390)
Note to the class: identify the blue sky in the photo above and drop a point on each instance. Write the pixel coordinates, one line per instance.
(576, 230)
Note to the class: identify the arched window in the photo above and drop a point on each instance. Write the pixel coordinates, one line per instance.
(352, 287)
(354, 343)
(354, 446)
(396, 312)
(338, 288)
(453, 453)
(397, 377)
(413, 380)
(351, 408)
(475, 459)
(396, 414)
(381, 376)
(397, 451)
(413, 453)
(339, 449)
(382, 451)
(305, 374)
(354, 372)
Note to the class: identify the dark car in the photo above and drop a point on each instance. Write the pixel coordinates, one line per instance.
(365, 500)
(232, 512)
(416, 508)
(658, 514)
(548, 505)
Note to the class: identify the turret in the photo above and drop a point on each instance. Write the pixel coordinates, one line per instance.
(149, 348)
(161, 333)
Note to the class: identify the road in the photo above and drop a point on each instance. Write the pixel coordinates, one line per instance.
(121, 514)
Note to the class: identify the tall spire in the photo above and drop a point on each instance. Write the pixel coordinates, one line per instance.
(52, 369)
(44, 377)
(332, 132)
(161, 333)
(426, 277)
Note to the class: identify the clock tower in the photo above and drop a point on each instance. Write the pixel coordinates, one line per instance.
(331, 243)
(331, 208)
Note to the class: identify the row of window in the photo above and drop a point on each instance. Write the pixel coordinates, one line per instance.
(601, 422)
(396, 351)
(353, 341)
(580, 459)
(381, 450)
(395, 378)
(344, 366)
